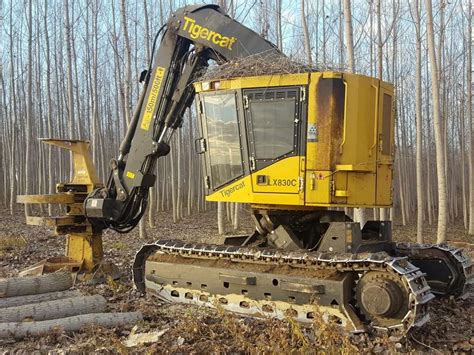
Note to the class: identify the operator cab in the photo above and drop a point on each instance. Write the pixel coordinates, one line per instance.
(308, 139)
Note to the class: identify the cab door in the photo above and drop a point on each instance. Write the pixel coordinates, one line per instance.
(274, 117)
(385, 152)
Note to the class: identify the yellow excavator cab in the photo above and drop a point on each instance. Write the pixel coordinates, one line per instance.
(320, 139)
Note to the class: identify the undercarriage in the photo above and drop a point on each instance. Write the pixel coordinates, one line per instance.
(305, 265)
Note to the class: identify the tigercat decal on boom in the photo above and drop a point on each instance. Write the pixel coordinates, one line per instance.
(198, 31)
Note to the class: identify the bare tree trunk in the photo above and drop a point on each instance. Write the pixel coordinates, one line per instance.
(348, 35)
(19, 286)
(50, 106)
(147, 31)
(95, 89)
(236, 216)
(379, 41)
(14, 110)
(142, 227)
(74, 323)
(29, 106)
(179, 179)
(174, 200)
(191, 176)
(469, 122)
(128, 62)
(117, 72)
(54, 309)
(324, 49)
(462, 143)
(419, 127)
(429, 193)
(440, 163)
(220, 217)
(228, 211)
(77, 116)
(307, 41)
(70, 84)
(341, 35)
(278, 25)
(152, 207)
(42, 297)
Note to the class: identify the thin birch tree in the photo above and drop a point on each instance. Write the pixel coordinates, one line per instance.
(440, 163)
(419, 126)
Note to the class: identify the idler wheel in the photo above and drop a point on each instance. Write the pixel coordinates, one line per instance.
(382, 298)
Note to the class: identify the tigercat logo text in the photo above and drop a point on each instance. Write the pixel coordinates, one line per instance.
(198, 31)
(229, 191)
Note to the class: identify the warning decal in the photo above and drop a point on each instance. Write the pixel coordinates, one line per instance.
(151, 103)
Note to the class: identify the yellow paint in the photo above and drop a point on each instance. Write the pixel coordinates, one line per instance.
(130, 175)
(282, 177)
(318, 186)
(344, 164)
(63, 198)
(350, 167)
(256, 82)
(341, 193)
(332, 75)
(88, 250)
(246, 190)
(152, 98)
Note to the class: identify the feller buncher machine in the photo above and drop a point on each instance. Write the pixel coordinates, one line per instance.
(299, 148)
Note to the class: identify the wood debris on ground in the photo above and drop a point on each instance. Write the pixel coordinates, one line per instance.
(191, 328)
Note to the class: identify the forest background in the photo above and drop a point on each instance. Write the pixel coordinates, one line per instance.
(69, 69)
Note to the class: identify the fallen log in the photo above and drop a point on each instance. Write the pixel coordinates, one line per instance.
(42, 297)
(22, 286)
(54, 309)
(69, 324)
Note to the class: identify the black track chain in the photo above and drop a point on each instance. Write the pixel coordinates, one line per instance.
(419, 290)
(464, 263)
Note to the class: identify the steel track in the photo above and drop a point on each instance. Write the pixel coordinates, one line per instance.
(419, 293)
(454, 255)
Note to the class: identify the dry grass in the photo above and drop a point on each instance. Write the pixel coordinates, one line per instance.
(8, 243)
(117, 287)
(119, 245)
(228, 333)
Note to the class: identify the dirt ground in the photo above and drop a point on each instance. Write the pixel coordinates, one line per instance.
(202, 330)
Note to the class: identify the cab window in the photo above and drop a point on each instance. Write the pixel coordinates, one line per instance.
(223, 138)
(273, 127)
(272, 120)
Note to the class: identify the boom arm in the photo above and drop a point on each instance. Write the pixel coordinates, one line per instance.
(193, 35)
